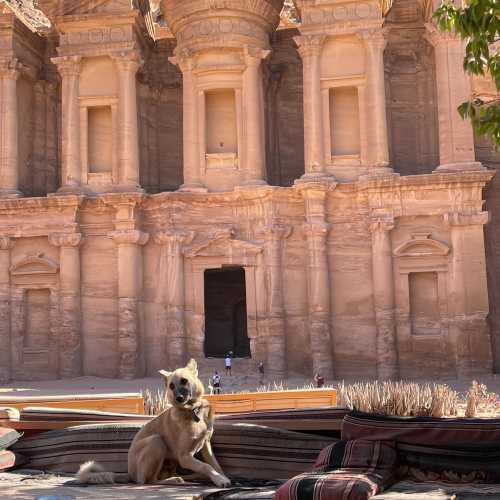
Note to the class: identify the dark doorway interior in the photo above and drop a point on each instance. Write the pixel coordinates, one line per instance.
(226, 313)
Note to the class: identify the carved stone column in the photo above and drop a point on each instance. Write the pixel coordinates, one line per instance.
(384, 300)
(6, 245)
(456, 138)
(129, 244)
(9, 168)
(467, 291)
(376, 126)
(70, 342)
(255, 158)
(172, 242)
(191, 146)
(69, 69)
(128, 138)
(275, 234)
(309, 47)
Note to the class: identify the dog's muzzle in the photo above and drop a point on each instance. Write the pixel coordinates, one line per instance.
(182, 395)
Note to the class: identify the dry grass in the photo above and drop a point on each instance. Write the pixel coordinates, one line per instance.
(405, 399)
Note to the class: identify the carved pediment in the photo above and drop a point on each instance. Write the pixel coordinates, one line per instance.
(37, 264)
(97, 7)
(222, 245)
(422, 245)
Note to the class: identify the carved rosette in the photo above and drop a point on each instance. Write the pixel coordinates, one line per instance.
(129, 237)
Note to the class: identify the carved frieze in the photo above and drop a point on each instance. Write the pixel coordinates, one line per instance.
(65, 239)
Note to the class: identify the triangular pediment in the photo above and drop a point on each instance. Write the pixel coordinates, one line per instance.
(222, 246)
(33, 265)
(422, 245)
(97, 7)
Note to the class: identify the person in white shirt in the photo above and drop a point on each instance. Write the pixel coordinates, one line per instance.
(216, 382)
(228, 362)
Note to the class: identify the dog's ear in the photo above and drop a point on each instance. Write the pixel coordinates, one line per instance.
(164, 373)
(193, 367)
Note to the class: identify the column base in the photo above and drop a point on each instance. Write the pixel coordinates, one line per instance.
(10, 193)
(71, 191)
(193, 187)
(465, 166)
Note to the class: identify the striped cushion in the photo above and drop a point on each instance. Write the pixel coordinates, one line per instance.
(452, 463)
(36, 413)
(8, 437)
(425, 431)
(7, 413)
(346, 470)
(243, 450)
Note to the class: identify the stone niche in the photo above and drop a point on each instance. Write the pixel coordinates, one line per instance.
(220, 47)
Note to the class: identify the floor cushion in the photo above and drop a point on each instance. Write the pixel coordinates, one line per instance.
(243, 450)
(7, 413)
(425, 431)
(346, 470)
(39, 413)
(10, 460)
(8, 437)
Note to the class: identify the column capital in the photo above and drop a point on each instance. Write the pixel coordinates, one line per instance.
(316, 228)
(276, 231)
(373, 38)
(10, 68)
(309, 45)
(127, 60)
(6, 243)
(381, 224)
(254, 55)
(438, 38)
(460, 219)
(65, 239)
(67, 65)
(184, 58)
(168, 236)
(129, 237)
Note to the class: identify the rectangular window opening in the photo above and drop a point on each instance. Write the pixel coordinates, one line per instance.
(99, 139)
(424, 303)
(221, 131)
(344, 121)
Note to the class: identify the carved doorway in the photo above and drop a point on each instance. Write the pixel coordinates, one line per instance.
(226, 313)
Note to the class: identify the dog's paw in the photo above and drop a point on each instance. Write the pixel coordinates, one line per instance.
(221, 481)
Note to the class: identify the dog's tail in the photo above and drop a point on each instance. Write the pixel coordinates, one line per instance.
(94, 473)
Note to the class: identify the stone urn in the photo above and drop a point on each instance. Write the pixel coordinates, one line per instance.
(205, 24)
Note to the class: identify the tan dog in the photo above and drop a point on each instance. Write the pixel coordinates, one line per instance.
(171, 439)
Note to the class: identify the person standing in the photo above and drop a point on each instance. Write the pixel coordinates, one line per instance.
(228, 362)
(320, 380)
(260, 367)
(216, 382)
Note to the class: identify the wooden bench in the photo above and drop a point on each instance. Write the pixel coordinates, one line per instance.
(117, 403)
(272, 400)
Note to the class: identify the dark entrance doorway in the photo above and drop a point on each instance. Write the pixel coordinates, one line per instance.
(226, 313)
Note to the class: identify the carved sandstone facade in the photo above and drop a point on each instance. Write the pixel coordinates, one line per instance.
(139, 161)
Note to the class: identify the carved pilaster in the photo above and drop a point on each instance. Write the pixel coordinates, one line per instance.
(456, 138)
(172, 243)
(275, 235)
(70, 342)
(9, 167)
(69, 69)
(309, 47)
(6, 245)
(384, 298)
(129, 244)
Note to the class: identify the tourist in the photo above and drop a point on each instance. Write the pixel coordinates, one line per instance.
(228, 361)
(260, 367)
(320, 380)
(216, 382)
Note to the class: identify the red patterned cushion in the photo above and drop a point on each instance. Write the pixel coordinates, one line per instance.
(346, 470)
